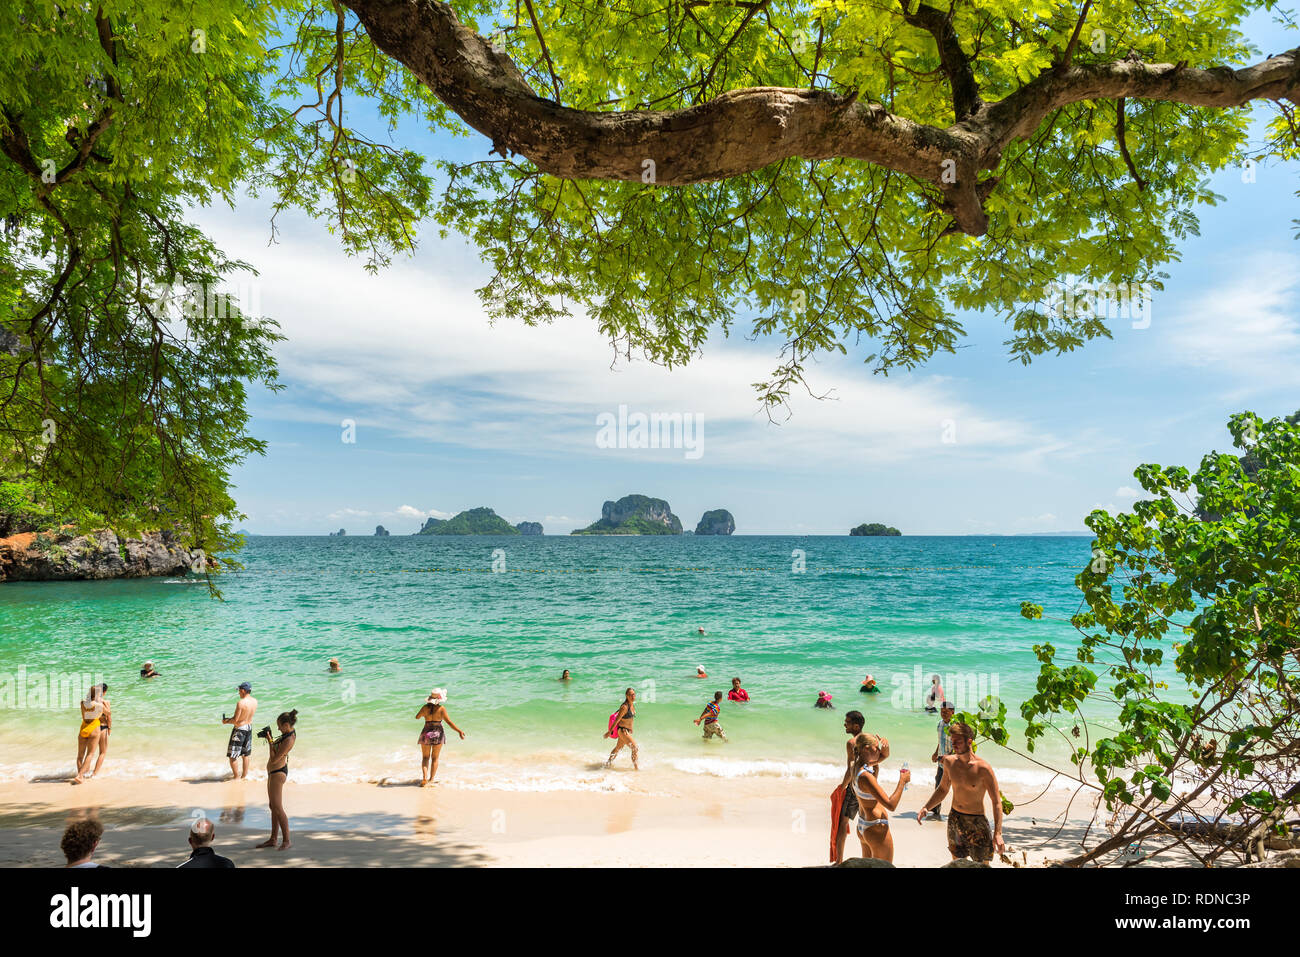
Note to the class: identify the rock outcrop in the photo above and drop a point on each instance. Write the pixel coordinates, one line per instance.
(339, 534)
(634, 515)
(529, 528)
(716, 522)
(63, 556)
(380, 531)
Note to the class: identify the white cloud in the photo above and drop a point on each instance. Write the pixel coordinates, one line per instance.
(410, 352)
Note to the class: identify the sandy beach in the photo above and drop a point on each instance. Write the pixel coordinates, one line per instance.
(778, 823)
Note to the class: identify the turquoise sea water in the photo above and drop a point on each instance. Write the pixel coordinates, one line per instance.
(405, 614)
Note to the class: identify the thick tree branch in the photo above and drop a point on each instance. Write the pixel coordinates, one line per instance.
(956, 65)
(744, 130)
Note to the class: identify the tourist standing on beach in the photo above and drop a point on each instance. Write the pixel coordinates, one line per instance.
(241, 737)
(942, 749)
(432, 738)
(622, 729)
(970, 779)
(873, 803)
(712, 726)
(842, 798)
(92, 713)
(277, 774)
(105, 726)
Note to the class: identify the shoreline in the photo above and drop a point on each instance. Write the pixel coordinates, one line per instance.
(750, 823)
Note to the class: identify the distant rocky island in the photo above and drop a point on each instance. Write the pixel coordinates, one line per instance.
(529, 528)
(476, 521)
(874, 528)
(380, 531)
(634, 515)
(339, 534)
(718, 521)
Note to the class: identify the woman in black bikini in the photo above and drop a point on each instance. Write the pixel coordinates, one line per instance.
(277, 773)
(432, 737)
(623, 729)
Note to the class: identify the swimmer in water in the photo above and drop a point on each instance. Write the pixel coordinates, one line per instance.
(565, 676)
(823, 700)
(700, 672)
(335, 667)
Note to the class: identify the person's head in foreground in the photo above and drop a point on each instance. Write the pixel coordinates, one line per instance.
(962, 736)
(334, 665)
(245, 689)
(870, 749)
(287, 720)
(946, 711)
(80, 840)
(854, 722)
(202, 831)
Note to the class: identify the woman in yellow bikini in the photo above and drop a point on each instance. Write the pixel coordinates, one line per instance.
(92, 711)
(873, 804)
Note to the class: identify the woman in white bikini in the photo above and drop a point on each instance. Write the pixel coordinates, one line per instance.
(873, 804)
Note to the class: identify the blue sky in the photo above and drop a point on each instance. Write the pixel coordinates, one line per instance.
(453, 413)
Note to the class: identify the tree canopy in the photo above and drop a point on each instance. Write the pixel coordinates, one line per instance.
(1182, 702)
(833, 175)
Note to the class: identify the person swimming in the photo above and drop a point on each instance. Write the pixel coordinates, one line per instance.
(934, 697)
(700, 672)
(823, 700)
(869, 686)
(737, 693)
(147, 671)
(335, 667)
(566, 676)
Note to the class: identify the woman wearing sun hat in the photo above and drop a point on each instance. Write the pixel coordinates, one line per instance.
(434, 713)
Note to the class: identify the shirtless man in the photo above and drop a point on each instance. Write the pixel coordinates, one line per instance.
(970, 779)
(241, 738)
(853, 724)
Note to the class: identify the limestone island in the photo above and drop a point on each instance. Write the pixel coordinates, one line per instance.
(529, 528)
(380, 530)
(474, 521)
(634, 515)
(874, 528)
(718, 521)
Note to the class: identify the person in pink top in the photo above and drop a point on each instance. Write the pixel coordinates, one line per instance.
(737, 693)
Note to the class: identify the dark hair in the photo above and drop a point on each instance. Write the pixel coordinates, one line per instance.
(80, 839)
(717, 695)
(104, 687)
(288, 717)
(735, 679)
(855, 717)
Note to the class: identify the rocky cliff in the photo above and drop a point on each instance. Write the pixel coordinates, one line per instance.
(529, 528)
(380, 530)
(717, 521)
(58, 556)
(634, 515)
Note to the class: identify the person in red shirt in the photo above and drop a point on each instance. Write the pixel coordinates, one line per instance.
(737, 693)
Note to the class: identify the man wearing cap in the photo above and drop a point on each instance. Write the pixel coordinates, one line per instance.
(942, 748)
(241, 738)
(202, 832)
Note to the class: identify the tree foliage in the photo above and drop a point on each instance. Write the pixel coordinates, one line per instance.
(671, 169)
(1182, 708)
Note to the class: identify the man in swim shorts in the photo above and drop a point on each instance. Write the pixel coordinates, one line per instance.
(241, 738)
(970, 779)
(853, 724)
(709, 716)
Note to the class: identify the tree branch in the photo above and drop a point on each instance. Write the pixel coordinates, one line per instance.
(956, 65)
(744, 130)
